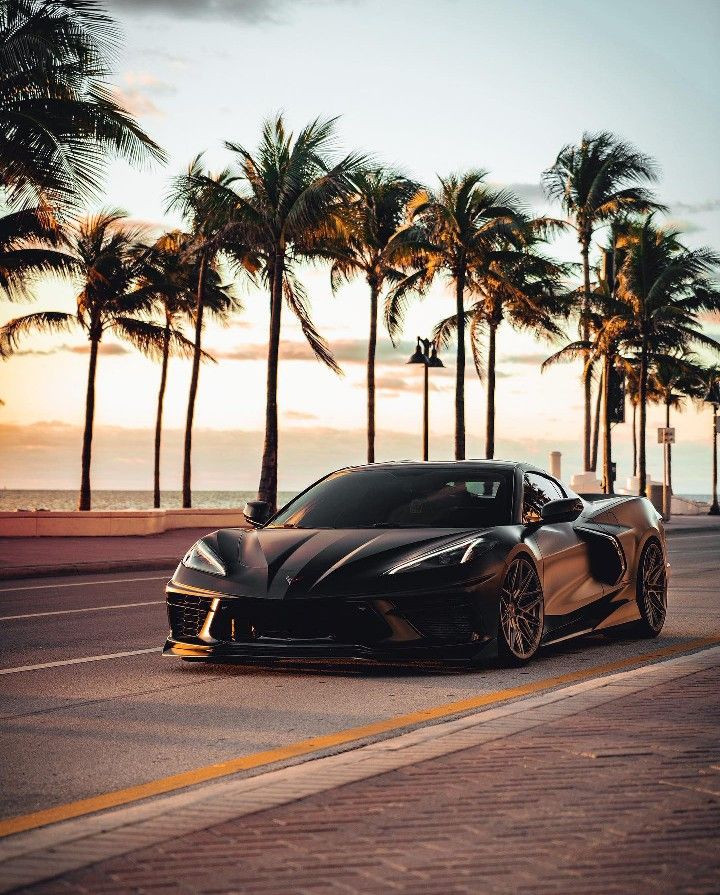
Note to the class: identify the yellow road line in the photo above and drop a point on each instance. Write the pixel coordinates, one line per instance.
(174, 782)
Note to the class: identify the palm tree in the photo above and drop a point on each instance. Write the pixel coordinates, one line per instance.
(195, 195)
(607, 321)
(675, 378)
(596, 182)
(106, 250)
(58, 117)
(665, 287)
(521, 286)
(374, 213)
(31, 246)
(630, 370)
(285, 199)
(710, 377)
(454, 230)
(169, 277)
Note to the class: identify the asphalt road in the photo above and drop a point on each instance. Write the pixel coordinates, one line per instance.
(76, 729)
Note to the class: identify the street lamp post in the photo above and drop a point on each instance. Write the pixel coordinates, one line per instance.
(713, 398)
(426, 354)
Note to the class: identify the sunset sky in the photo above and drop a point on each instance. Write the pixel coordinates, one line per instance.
(432, 87)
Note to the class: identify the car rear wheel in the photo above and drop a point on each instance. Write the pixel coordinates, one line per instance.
(651, 590)
(522, 613)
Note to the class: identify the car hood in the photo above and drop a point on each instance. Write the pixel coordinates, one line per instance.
(278, 563)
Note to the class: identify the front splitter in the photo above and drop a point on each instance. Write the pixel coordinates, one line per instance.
(276, 650)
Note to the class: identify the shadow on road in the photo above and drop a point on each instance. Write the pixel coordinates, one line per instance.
(580, 648)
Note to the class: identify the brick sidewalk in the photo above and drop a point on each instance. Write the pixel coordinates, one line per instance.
(624, 797)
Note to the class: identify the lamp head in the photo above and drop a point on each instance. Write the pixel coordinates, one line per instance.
(713, 394)
(418, 356)
(434, 360)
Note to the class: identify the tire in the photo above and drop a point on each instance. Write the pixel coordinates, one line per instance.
(651, 590)
(522, 613)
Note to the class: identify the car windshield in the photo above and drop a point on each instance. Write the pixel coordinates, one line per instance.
(402, 498)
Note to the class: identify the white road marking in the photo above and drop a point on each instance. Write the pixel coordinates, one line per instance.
(135, 652)
(7, 618)
(9, 590)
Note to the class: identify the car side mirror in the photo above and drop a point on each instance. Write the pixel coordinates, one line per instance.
(567, 509)
(257, 512)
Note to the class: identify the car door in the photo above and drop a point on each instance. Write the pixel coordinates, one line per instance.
(567, 579)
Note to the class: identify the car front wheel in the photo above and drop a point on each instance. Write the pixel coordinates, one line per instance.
(522, 613)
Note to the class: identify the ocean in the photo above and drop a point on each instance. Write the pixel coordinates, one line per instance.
(126, 500)
(142, 500)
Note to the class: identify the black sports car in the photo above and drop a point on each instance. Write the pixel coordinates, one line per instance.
(405, 561)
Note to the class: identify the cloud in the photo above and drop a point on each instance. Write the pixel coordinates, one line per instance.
(391, 383)
(532, 193)
(525, 359)
(696, 207)
(138, 91)
(300, 416)
(345, 351)
(135, 102)
(140, 80)
(684, 226)
(247, 12)
(258, 351)
(107, 348)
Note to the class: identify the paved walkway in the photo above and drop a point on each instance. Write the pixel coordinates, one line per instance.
(27, 557)
(612, 789)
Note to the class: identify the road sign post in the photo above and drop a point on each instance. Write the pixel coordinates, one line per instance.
(666, 437)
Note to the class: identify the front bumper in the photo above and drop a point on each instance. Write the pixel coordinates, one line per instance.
(412, 628)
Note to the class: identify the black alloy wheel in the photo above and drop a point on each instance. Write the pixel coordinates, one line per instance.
(522, 613)
(651, 590)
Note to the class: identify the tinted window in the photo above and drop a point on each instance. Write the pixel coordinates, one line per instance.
(403, 498)
(537, 491)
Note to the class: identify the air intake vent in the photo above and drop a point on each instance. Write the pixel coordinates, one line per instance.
(186, 615)
(442, 618)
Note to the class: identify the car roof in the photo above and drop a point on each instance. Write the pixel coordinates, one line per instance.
(504, 465)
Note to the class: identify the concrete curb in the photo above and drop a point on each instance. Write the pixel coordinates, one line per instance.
(89, 568)
(694, 529)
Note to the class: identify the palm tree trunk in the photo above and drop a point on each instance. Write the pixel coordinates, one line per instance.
(490, 421)
(460, 366)
(642, 465)
(159, 416)
(669, 469)
(199, 307)
(596, 428)
(634, 439)
(85, 501)
(585, 334)
(607, 431)
(267, 490)
(372, 345)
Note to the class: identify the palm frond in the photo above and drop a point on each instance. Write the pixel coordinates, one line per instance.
(41, 321)
(297, 301)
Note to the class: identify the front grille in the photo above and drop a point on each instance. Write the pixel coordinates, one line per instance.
(439, 617)
(335, 620)
(186, 615)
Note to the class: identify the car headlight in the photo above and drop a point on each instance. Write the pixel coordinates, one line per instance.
(454, 555)
(204, 559)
